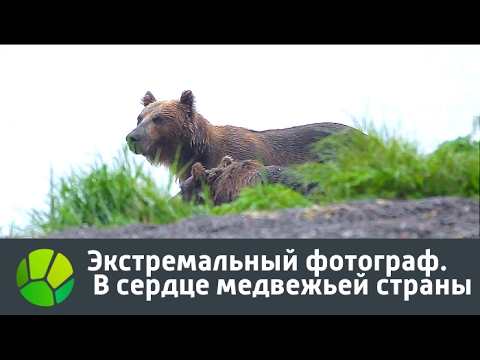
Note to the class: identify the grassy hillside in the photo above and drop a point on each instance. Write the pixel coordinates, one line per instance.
(386, 166)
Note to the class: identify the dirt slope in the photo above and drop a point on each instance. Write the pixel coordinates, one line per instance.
(426, 218)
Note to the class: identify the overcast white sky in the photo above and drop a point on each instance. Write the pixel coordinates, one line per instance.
(61, 103)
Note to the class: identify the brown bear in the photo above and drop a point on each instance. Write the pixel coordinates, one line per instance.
(227, 180)
(173, 131)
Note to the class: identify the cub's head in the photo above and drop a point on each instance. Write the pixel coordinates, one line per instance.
(163, 127)
(193, 187)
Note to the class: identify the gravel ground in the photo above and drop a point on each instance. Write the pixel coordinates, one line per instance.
(439, 217)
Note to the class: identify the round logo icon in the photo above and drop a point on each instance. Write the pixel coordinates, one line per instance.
(45, 278)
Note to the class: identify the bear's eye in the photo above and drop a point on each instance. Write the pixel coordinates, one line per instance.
(159, 119)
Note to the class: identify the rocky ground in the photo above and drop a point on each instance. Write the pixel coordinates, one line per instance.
(426, 218)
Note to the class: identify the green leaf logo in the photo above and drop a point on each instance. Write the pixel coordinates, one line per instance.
(45, 278)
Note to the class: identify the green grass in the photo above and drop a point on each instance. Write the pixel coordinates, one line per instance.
(101, 195)
(384, 166)
(390, 167)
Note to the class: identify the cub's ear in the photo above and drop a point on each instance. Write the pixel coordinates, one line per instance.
(226, 160)
(198, 171)
(148, 99)
(187, 99)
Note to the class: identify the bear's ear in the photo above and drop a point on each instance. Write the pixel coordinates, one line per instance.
(198, 171)
(148, 99)
(226, 160)
(187, 99)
